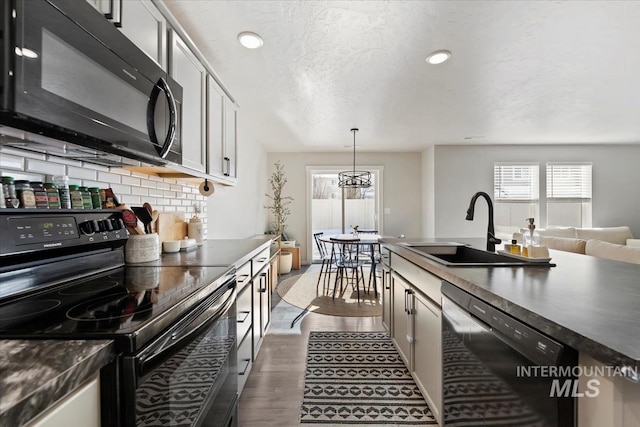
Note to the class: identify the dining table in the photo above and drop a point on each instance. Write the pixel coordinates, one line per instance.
(367, 241)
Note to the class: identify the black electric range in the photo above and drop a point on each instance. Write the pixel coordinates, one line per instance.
(63, 276)
(66, 280)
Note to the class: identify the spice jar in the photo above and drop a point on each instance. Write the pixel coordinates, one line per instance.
(62, 181)
(42, 201)
(25, 194)
(53, 195)
(9, 192)
(76, 197)
(86, 198)
(95, 197)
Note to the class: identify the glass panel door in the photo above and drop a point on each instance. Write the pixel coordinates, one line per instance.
(334, 210)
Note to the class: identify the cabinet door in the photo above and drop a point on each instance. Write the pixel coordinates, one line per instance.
(145, 26)
(386, 299)
(82, 404)
(230, 138)
(402, 320)
(427, 351)
(185, 68)
(215, 127)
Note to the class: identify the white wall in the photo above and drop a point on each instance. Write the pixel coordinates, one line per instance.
(402, 189)
(428, 192)
(460, 171)
(237, 212)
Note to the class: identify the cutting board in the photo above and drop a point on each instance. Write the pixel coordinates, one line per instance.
(171, 226)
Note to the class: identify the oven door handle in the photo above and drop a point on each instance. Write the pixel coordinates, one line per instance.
(189, 328)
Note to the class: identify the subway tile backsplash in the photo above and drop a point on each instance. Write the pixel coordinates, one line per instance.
(132, 188)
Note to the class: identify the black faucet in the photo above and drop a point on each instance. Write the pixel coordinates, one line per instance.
(491, 238)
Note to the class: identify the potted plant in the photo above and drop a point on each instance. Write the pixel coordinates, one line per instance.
(279, 209)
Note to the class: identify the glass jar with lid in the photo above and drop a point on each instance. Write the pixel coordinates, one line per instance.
(9, 192)
(53, 195)
(42, 201)
(25, 194)
(96, 202)
(76, 197)
(86, 198)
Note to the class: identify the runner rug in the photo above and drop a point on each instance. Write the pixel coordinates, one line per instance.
(358, 378)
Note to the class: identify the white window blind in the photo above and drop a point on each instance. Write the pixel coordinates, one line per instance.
(515, 182)
(568, 181)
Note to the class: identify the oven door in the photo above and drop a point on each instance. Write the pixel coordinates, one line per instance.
(76, 77)
(188, 375)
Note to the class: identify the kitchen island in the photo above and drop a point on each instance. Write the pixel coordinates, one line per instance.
(586, 303)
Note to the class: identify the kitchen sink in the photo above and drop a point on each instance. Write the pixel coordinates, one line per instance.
(461, 255)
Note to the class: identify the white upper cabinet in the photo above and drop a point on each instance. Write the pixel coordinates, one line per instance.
(221, 133)
(230, 139)
(141, 22)
(187, 70)
(215, 127)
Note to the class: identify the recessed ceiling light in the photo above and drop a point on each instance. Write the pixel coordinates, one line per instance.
(250, 40)
(438, 57)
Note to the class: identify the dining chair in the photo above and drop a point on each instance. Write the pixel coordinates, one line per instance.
(346, 256)
(326, 266)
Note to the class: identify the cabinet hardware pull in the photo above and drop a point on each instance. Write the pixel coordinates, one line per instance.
(244, 371)
(246, 316)
(228, 162)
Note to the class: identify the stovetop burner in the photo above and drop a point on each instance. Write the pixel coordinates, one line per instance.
(27, 308)
(83, 290)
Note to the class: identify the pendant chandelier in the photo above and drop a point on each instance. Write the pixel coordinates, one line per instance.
(354, 178)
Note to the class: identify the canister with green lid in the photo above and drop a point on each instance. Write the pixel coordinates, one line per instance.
(96, 203)
(76, 197)
(86, 198)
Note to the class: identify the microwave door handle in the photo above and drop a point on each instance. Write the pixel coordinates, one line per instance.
(162, 86)
(179, 337)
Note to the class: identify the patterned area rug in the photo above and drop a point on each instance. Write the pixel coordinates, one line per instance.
(358, 378)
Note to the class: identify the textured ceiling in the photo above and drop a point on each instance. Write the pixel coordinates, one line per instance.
(521, 71)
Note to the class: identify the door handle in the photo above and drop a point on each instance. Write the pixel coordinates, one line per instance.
(163, 86)
(244, 371)
(228, 163)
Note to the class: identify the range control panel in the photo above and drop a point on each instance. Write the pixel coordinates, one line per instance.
(43, 229)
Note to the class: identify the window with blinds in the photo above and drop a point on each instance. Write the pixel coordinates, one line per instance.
(568, 194)
(516, 193)
(515, 182)
(568, 181)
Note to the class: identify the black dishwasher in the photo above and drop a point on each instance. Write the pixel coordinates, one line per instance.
(498, 371)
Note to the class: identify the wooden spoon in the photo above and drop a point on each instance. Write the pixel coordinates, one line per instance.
(154, 219)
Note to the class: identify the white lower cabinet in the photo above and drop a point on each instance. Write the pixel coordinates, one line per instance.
(427, 350)
(386, 299)
(402, 320)
(416, 327)
(81, 407)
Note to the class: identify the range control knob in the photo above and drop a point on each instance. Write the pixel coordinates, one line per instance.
(106, 224)
(87, 227)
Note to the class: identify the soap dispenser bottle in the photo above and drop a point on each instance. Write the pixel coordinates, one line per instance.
(531, 238)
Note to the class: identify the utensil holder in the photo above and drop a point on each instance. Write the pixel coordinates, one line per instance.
(142, 248)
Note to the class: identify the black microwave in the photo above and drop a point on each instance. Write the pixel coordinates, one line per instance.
(69, 74)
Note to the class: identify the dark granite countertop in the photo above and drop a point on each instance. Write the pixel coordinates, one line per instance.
(217, 252)
(34, 374)
(588, 303)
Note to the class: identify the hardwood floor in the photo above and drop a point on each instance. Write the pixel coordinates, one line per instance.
(273, 392)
